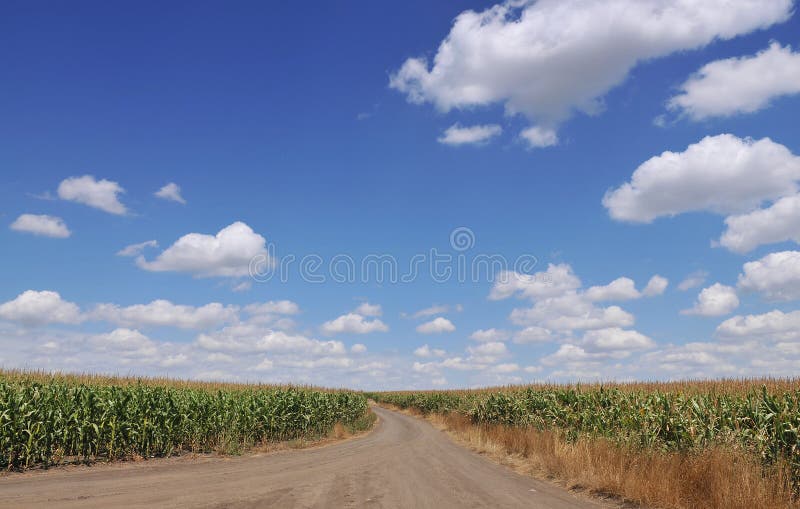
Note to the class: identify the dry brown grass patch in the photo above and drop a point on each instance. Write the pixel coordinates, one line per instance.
(718, 478)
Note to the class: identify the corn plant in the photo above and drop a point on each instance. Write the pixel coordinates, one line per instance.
(45, 421)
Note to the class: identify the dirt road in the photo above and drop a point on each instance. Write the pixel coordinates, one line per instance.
(405, 462)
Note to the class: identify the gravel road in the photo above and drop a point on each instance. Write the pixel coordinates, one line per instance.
(404, 462)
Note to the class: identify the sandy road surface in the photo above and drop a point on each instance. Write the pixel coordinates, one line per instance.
(405, 462)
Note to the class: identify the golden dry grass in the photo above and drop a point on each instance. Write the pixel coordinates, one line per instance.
(718, 478)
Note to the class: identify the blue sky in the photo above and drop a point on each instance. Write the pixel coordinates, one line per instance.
(324, 133)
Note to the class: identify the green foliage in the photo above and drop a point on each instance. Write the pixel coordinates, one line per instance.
(44, 421)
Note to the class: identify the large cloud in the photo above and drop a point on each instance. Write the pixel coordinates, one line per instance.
(245, 352)
(776, 276)
(722, 174)
(739, 85)
(548, 58)
(163, 313)
(569, 312)
(559, 303)
(228, 253)
(33, 307)
(561, 308)
(100, 194)
(774, 326)
(248, 339)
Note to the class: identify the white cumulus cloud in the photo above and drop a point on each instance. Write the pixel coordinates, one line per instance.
(656, 286)
(570, 312)
(490, 335)
(163, 313)
(487, 353)
(554, 281)
(774, 326)
(457, 134)
(547, 59)
(560, 305)
(533, 334)
(426, 351)
(171, 192)
(436, 326)
(716, 300)
(622, 288)
(615, 339)
(508, 367)
(722, 174)
(126, 342)
(367, 309)
(41, 224)
(100, 194)
(776, 276)
(539, 137)
(273, 307)
(228, 253)
(437, 309)
(33, 308)
(353, 323)
(739, 85)
(243, 339)
(777, 223)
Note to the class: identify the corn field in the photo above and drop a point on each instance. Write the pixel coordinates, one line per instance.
(761, 421)
(44, 421)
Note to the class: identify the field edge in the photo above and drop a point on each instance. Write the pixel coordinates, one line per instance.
(510, 447)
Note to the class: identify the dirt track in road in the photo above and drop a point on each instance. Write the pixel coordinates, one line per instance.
(404, 462)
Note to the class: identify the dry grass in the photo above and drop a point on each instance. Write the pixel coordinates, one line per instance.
(719, 478)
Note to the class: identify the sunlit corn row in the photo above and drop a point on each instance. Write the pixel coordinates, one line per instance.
(94, 379)
(731, 386)
(45, 422)
(763, 422)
